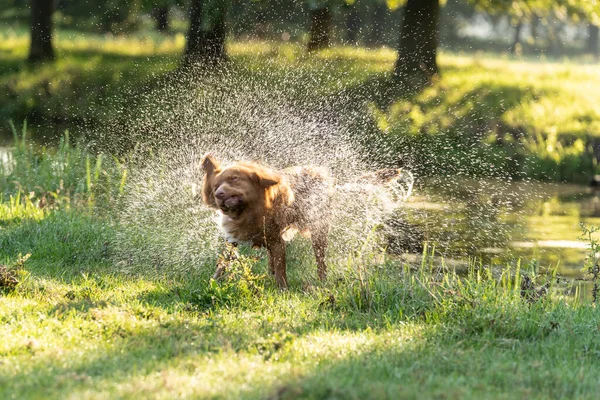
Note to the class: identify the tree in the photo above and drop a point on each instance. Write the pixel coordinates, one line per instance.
(591, 44)
(353, 21)
(519, 11)
(41, 31)
(161, 14)
(117, 16)
(380, 9)
(320, 25)
(206, 35)
(417, 50)
(159, 9)
(516, 44)
(574, 10)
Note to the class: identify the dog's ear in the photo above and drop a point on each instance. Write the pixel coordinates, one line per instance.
(267, 178)
(209, 164)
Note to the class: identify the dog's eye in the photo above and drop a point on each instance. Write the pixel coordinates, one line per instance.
(234, 179)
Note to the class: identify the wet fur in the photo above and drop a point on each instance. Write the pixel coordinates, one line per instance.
(266, 207)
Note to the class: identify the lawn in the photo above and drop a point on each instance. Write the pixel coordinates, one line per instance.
(90, 332)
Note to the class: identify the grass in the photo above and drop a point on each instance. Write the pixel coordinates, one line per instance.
(91, 77)
(500, 116)
(80, 325)
(85, 330)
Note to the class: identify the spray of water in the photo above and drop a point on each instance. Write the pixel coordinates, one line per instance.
(239, 117)
(282, 119)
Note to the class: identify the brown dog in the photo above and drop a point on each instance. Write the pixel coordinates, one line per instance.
(266, 207)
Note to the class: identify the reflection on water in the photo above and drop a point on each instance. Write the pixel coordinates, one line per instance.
(499, 223)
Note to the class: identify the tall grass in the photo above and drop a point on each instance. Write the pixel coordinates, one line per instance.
(66, 176)
(17, 209)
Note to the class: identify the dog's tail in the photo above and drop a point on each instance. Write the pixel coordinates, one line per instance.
(398, 182)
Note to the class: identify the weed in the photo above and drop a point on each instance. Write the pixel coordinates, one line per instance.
(61, 178)
(12, 275)
(237, 282)
(592, 266)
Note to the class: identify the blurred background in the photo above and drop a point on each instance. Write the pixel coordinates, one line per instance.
(519, 76)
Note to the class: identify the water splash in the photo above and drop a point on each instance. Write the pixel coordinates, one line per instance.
(237, 117)
(282, 119)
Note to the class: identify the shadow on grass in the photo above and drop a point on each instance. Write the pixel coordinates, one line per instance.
(493, 352)
(64, 244)
(76, 94)
(127, 331)
(442, 368)
(129, 343)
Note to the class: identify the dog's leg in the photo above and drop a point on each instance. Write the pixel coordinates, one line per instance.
(319, 243)
(276, 252)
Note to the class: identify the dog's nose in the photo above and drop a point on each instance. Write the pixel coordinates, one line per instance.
(220, 193)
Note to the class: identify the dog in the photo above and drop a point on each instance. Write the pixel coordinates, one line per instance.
(266, 208)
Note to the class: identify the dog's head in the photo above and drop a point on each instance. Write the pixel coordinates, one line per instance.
(236, 188)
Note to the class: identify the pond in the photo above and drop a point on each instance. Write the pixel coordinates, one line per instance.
(497, 222)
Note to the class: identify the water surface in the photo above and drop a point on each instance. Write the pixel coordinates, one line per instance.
(536, 223)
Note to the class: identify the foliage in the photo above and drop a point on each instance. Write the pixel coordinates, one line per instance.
(89, 80)
(68, 330)
(526, 8)
(526, 120)
(522, 122)
(592, 265)
(76, 323)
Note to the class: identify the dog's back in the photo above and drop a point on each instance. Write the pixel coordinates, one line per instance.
(309, 211)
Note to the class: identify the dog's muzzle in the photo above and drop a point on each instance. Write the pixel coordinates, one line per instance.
(232, 203)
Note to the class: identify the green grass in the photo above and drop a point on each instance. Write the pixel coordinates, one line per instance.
(77, 327)
(59, 177)
(500, 116)
(90, 74)
(80, 325)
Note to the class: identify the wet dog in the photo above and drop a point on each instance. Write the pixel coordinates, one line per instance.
(266, 207)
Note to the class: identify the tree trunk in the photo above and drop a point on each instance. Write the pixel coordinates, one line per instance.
(320, 28)
(161, 14)
(41, 31)
(379, 11)
(417, 51)
(556, 47)
(535, 22)
(591, 45)
(206, 42)
(516, 44)
(352, 24)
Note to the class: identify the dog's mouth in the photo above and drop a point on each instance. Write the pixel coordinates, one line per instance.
(232, 204)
